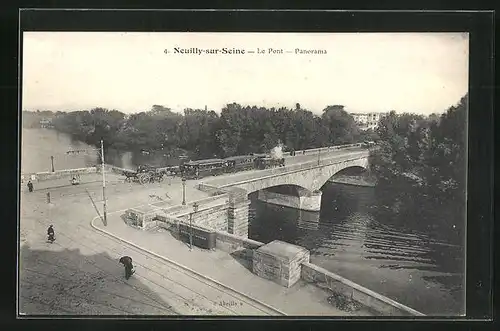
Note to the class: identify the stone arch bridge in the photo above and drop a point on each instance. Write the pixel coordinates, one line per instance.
(308, 177)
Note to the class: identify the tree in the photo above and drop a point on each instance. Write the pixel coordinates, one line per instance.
(341, 125)
(420, 168)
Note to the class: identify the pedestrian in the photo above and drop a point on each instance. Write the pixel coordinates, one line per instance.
(30, 186)
(51, 234)
(129, 268)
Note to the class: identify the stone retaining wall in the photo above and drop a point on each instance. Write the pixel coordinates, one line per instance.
(385, 306)
(48, 175)
(239, 246)
(213, 218)
(244, 248)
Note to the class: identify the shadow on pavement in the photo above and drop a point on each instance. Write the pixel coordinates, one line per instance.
(176, 235)
(68, 283)
(244, 257)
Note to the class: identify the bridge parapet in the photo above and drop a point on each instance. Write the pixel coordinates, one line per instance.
(287, 170)
(328, 148)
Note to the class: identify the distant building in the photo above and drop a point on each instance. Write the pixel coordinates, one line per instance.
(367, 121)
(46, 123)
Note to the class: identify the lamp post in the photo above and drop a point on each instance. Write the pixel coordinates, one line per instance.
(195, 209)
(52, 161)
(183, 191)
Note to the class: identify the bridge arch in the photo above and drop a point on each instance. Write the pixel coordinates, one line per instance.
(306, 178)
(331, 171)
(289, 189)
(309, 178)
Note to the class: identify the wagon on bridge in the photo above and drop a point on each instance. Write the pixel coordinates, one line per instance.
(268, 162)
(146, 174)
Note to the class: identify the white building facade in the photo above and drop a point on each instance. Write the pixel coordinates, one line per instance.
(367, 121)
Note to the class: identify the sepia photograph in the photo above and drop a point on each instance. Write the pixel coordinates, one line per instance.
(243, 174)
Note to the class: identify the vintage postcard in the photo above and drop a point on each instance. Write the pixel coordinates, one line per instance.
(243, 174)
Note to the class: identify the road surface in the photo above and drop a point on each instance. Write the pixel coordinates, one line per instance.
(79, 273)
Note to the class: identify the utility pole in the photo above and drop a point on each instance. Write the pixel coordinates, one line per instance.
(101, 152)
(103, 185)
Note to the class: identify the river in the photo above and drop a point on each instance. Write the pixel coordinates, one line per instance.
(38, 145)
(405, 263)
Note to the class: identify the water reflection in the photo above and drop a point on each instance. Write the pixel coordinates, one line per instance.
(308, 220)
(38, 145)
(403, 263)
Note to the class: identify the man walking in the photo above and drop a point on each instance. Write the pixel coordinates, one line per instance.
(30, 186)
(129, 268)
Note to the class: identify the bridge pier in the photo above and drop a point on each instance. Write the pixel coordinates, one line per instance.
(237, 218)
(311, 201)
(306, 200)
(237, 221)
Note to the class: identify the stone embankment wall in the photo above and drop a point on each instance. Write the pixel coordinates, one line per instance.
(238, 246)
(244, 248)
(48, 175)
(227, 212)
(214, 217)
(382, 304)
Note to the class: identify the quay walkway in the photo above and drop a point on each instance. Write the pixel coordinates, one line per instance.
(302, 299)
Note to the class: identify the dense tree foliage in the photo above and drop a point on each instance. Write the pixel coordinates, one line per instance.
(237, 130)
(420, 168)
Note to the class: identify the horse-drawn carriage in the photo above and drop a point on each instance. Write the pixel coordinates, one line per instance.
(146, 174)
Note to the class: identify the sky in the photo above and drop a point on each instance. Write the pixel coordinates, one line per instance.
(408, 72)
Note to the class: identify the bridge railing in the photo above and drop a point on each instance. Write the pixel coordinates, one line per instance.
(326, 149)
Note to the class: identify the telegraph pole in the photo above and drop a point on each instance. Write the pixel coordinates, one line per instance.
(101, 152)
(103, 184)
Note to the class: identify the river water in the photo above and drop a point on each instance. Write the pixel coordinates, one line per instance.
(405, 263)
(38, 145)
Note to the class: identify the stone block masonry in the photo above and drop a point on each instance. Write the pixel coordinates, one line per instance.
(143, 218)
(337, 284)
(213, 218)
(237, 218)
(280, 262)
(237, 212)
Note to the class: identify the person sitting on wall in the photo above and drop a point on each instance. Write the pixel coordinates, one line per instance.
(30, 186)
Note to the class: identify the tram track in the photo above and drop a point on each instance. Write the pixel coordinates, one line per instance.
(166, 265)
(156, 271)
